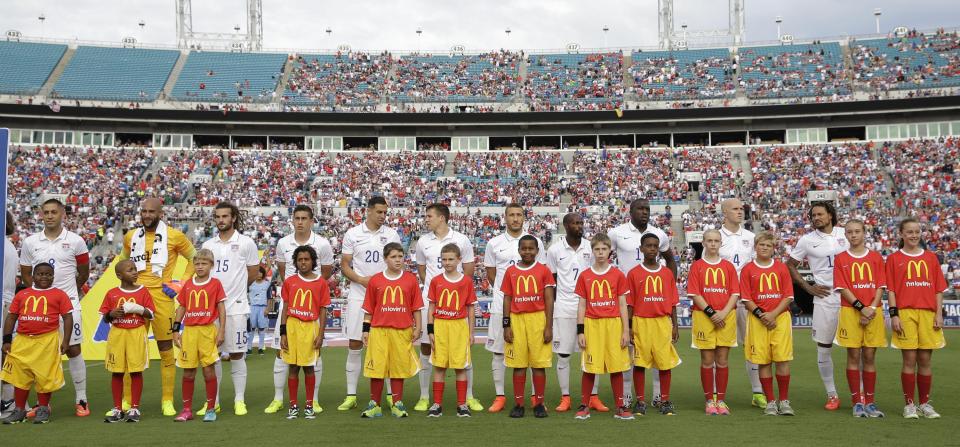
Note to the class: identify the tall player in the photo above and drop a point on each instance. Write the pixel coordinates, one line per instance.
(626, 244)
(502, 251)
(818, 248)
(11, 263)
(237, 260)
(429, 266)
(154, 249)
(737, 247)
(567, 258)
(361, 257)
(67, 253)
(303, 235)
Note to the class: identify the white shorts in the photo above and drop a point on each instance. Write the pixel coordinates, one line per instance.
(76, 333)
(565, 336)
(424, 336)
(742, 316)
(235, 334)
(352, 319)
(825, 321)
(275, 343)
(495, 334)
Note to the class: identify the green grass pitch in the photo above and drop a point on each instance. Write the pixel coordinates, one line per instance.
(690, 426)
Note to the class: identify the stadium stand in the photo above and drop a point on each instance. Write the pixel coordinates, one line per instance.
(574, 81)
(229, 77)
(686, 74)
(116, 74)
(484, 77)
(793, 70)
(912, 62)
(351, 79)
(26, 66)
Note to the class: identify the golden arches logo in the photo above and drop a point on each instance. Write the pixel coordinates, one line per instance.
(526, 280)
(918, 266)
(769, 280)
(36, 301)
(598, 287)
(653, 284)
(125, 300)
(193, 301)
(451, 297)
(714, 274)
(393, 292)
(302, 296)
(861, 270)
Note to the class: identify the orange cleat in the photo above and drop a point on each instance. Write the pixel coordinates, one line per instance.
(32, 411)
(564, 405)
(497, 404)
(596, 404)
(833, 403)
(82, 409)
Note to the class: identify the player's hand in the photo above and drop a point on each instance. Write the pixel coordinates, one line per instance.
(365, 337)
(768, 320)
(220, 337)
(364, 280)
(433, 341)
(65, 345)
(625, 340)
(283, 342)
(416, 334)
(938, 321)
(548, 334)
(508, 334)
(582, 341)
(818, 291)
(868, 312)
(719, 319)
(676, 334)
(116, 313)
(895, 325)
(864, 320)
(176, 340)
(6, 348)
(318, 342)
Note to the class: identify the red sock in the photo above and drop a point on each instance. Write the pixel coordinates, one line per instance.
(461, 392)
(909, 383)
(586, 387)
(923, 386)
(853, 379)
(293, 388)
(211, 385)
(706, 379)
(665, 376)
(616, 382)
(309, 380)
(519, 387)
(376, 390)
(540, 386)
(187, 392)
(767, 384)
(20, 398)
(723, 376)
(783, 386)
(43, 399)
(438, 392)
(116, 386)
(638, 379)
(869, 386)
(396, 388)
(136, 388)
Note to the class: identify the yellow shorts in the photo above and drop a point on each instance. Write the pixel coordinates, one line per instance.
(452, 344)
(764, 346)
(390, 354)
(300, 338)
(850, 334)
(528, 349)
(199, 347)
(708, 336)
(653, 343)
(162, 322)
(127, 350)
(918, 331)
(34, 360)
(603, 353)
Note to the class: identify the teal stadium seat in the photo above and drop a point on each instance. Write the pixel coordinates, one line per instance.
(25, 66)
(219, 72)
(116, 74)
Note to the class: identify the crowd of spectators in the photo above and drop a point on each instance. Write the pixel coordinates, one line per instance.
(795, 70)
(610, 177)
(672, 76)
(915, 60)
(489, 76)
(343, 79)
(574, 81)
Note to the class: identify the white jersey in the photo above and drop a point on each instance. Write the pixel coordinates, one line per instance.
(626, 244)
(231, 259)
(65, 253)
(567, 263)
(10, 265)
(428, 254)
(737, 247)
(819, 250)
(502, 252)
(287, 244)
(366, 247)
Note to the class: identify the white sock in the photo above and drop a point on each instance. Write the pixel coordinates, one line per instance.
(78, 372)
(499, 371)
(563, 374)
(7, 393)
(280, 372)
(825, 364)
(238, 372)
(218, 371)
(656, 381)
(469, 382)
(596, 388)
(318, 372)
(353, 371)
(260, 334)
(426, 376)
(628, 384)
(753, 372)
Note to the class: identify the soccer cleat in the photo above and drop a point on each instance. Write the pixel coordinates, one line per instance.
(666, 408)
(422, 405)
(211, 416)
(564, 405)
(463, 411)
(317, 408)
(260, 351)
(82, 409)
(771, 408)
(583, 412)
(540, 411)
(184, 416)
(32, 411)
(859, 411)
(498, 403)
(274, 407)
(873, 411)
(372, 411)
(623, 413)
(474, 404)
(910, 411)
(6, 405)
(349, 403)
(597, 404)
(927, 411)
(784, 409)
(517, 412)
(202, 411)
(640, 407)
(723, 409)
(398, 410)
(435, 411)
(43, 415)
(656, 401)
(17, 416)
(759, 400)
(167, 408)
(833, 403)
(133, 415)
(390, 399)
(711, 408)
(293, 412)
(309, 413)
(239, 408)
(116, 415)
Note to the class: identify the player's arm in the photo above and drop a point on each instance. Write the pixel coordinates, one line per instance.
(416, 326)
(507, 329)
(816, 290)
(252, 274)
(673, 320)
(67, 323)
(281, 268)
(549, 294)
(326, 270)
(271, 301)
(581, 316)
(670, 261)
(318, 342)
(491, 275)
(26, 275)
(125, 249)
(222, 319)
(8, 325)
(177, 322)
(938, 312)
(625, 320)
(471, 322)
(186, 251)
(83, 272)
(469, 268)
(346, 261)
(421, 273)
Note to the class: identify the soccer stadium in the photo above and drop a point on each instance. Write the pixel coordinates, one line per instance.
(307, 192)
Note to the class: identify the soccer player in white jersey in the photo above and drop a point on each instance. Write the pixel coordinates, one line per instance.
(427, 257)
(11, 263)
(361, 257)
(237, 260)
(502, 252)
(818, 248)
(626, 244)
(566, 258)
(303, 220)
(67, 252)
(736, 246)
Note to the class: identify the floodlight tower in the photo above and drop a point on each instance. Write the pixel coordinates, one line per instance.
(734, 34)
(251, 40)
